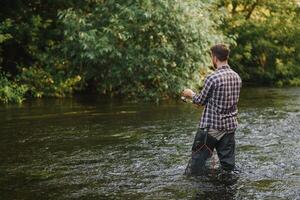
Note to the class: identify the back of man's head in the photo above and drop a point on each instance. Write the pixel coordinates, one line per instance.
(221, 51)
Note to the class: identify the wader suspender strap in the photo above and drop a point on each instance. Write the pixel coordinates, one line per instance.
(206, 133)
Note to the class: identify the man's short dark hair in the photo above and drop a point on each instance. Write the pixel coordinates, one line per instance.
(221, 51)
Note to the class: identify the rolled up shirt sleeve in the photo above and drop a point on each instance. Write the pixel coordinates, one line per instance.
(203, 97)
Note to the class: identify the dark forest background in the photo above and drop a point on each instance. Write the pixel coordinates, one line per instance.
(147, 49)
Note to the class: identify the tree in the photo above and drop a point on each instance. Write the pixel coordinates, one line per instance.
(29, 33)
(267, 32)
(149, 49)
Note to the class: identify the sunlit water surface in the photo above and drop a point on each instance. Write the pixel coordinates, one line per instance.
(89, 148)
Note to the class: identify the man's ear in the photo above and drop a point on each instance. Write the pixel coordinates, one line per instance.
(214, 58)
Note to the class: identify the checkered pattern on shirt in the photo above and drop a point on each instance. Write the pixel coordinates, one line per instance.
(220, 96)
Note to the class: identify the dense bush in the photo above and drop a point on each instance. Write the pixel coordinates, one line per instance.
(10, 91)
(267, 36)
(29, 36)
(148, 49)
(43, 83)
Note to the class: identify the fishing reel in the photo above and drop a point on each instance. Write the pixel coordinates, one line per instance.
(186, 100)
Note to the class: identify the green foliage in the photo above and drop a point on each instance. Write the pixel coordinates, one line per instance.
(3, 35)
(29, 34)
(267, 37)
(42, 83)
(295, 81)
(28, 28)
(148, 49)
(10, 91)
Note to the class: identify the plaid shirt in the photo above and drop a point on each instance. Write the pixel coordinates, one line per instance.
(220, 96)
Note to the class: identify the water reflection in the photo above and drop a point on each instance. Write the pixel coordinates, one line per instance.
(218, 185)
(85, 148)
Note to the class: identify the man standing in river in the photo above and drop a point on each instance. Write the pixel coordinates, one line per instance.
(218, 123)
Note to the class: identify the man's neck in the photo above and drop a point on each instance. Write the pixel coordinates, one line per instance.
(221, 64)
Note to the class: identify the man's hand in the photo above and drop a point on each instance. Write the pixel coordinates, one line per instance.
(188, 93)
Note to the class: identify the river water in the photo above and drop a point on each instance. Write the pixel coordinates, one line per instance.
(90, 148)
